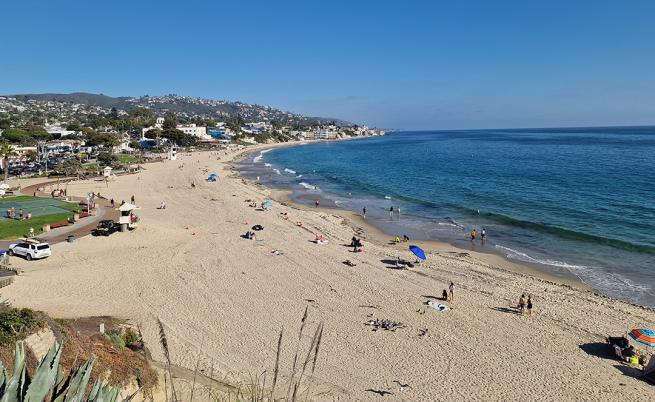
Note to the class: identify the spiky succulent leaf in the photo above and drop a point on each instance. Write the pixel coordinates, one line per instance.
(77, 386)
(12, 390)
(3, 378)
(45, 375)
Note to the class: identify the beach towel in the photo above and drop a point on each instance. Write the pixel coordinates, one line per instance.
(437, 306)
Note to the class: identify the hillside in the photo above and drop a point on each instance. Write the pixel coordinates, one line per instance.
(184, 105)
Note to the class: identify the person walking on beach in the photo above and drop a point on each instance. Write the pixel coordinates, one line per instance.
(364, 212)
(522, 304)
(529, 304)
(317, 203)
(113, 203)
(451, 289)
(391, 213)
(132, 199)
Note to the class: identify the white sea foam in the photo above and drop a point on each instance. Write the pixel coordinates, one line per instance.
(610, 283)
(277, 171)
(267, 164)
(307, 185)
(289, 171)
(299, 176)
(386, 197)
(519, 255)
(448, 224)
(266, 150)
(257, 158)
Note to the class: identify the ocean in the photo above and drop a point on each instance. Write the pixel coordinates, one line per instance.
(572, 202)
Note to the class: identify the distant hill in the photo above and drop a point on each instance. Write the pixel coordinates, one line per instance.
(216, 109)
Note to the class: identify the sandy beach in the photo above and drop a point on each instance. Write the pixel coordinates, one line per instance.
(225, 298)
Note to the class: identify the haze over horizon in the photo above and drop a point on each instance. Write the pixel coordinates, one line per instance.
(416, 66)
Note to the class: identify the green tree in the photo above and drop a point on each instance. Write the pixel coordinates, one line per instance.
(153, 134)
(70, 167)
(107, 159)
(6, 151)
(179, 137)
(16, 135)
(102, 139)
(170, 121)
(73, 126)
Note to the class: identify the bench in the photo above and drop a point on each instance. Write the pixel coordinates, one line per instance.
(56, 225)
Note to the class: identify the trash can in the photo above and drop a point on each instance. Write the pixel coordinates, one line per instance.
(70, 238)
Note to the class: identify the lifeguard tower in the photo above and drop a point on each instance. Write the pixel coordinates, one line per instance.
(128, 218)
(172, 153)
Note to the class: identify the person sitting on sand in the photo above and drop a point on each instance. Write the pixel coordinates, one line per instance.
(162, 205)
(396, 240)
(353, 242)
(444, 295)
(522, 304)
(405, 238)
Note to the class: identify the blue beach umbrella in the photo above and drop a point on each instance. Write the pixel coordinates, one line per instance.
(268, 203)
(417, 252)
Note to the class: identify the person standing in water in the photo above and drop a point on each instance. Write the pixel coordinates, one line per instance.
(473, 234)
(391, 213)
(364, 212)
(398, 212)
(483, 235)
(317, 203)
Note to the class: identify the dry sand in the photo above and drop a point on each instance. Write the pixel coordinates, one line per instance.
(227, 298)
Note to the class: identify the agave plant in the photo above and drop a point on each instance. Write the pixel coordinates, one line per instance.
(48, 383)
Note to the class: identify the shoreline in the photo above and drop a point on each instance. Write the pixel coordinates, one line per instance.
(383, 238)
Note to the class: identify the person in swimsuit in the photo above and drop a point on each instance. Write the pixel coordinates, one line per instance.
(473, 234)
(364, 212)
(391, 213)
(529, 304)
(522, 304)
(451, 288)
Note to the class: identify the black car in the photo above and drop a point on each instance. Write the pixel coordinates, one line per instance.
(105, 228)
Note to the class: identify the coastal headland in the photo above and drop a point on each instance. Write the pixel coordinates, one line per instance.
(224, 299)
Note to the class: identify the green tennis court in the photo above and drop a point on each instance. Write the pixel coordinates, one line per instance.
(37, 206)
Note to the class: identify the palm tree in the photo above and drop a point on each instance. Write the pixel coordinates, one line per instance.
(6, 151)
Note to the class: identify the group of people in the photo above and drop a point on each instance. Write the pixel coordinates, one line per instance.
(474, 234)
(391, 210)
(11, 214)
(356, 244)
(447, 295)
(397, 239)
(525, 306)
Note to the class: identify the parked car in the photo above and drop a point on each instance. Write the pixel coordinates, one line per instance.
(30, 249)
(105, 228)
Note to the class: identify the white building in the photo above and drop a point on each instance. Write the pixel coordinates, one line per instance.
(58, 131)
(196, 131)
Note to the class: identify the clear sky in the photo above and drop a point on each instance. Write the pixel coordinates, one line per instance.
(393, 64)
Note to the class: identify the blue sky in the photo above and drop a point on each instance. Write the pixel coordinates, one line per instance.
(413, 64)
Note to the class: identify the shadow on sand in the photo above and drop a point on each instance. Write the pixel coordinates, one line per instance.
(507, 310)
(599, 349)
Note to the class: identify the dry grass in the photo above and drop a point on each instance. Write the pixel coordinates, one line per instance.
(118, 365)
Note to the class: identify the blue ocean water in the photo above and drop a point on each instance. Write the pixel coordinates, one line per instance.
(572, 202)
